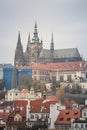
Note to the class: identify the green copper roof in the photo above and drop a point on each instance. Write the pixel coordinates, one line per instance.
(61, 53)
(14, 90)
(35, 36)
(32, 96)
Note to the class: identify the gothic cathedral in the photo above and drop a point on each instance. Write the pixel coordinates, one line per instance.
(35, 53)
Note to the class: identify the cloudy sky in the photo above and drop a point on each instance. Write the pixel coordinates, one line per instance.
(67, 19)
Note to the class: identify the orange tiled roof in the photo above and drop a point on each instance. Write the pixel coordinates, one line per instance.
(66, 66)
(24, 91)
(40, 67)
(39, 106)
(19, 103)
(51, 98)
(60, 66)
(65, 116)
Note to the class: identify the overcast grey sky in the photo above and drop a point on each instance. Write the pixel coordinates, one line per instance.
(67, 19)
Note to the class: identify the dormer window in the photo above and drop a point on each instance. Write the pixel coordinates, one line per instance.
(75, 113)
(61, 119)
(67, 113)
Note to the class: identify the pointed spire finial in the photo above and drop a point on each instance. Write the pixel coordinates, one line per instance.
(52, 43)
(19, 39)
(35, 36)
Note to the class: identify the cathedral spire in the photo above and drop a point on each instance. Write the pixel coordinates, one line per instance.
(35, 34)
(19, 40)
(19, 57)
(52, 43)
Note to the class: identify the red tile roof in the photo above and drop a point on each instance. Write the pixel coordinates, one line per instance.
(52, 98)
(24, 91)
(20, 103)
(66, 66)
(65, 116)
(60, 66)
(40, 67)
(40, 106)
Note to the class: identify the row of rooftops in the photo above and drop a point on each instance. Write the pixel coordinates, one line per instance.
(61, 66)
(38, 106)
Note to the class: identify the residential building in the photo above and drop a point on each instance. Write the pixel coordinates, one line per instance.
(62, 71)
(24, 94)
(80, 124)
(63, 121)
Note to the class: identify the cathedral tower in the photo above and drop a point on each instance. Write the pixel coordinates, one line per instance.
(19, 58)
(34, 48)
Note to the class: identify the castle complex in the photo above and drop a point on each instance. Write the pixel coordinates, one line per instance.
(35, 53)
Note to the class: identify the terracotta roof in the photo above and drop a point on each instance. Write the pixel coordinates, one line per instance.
(40, 67)
(20, 103)
(65, 116)
(52, 98)
(40, 106)
(60, 66)
(66, 66)
(24, 91)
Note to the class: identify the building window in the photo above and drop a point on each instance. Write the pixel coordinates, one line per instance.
(69, 78)
(35, 72)
(81, 125)
(84, 113)
(54, 78)
(76, 126)
(32, 116)
(86, 126)
(86, 75)
(61, 78)
(34, 77)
